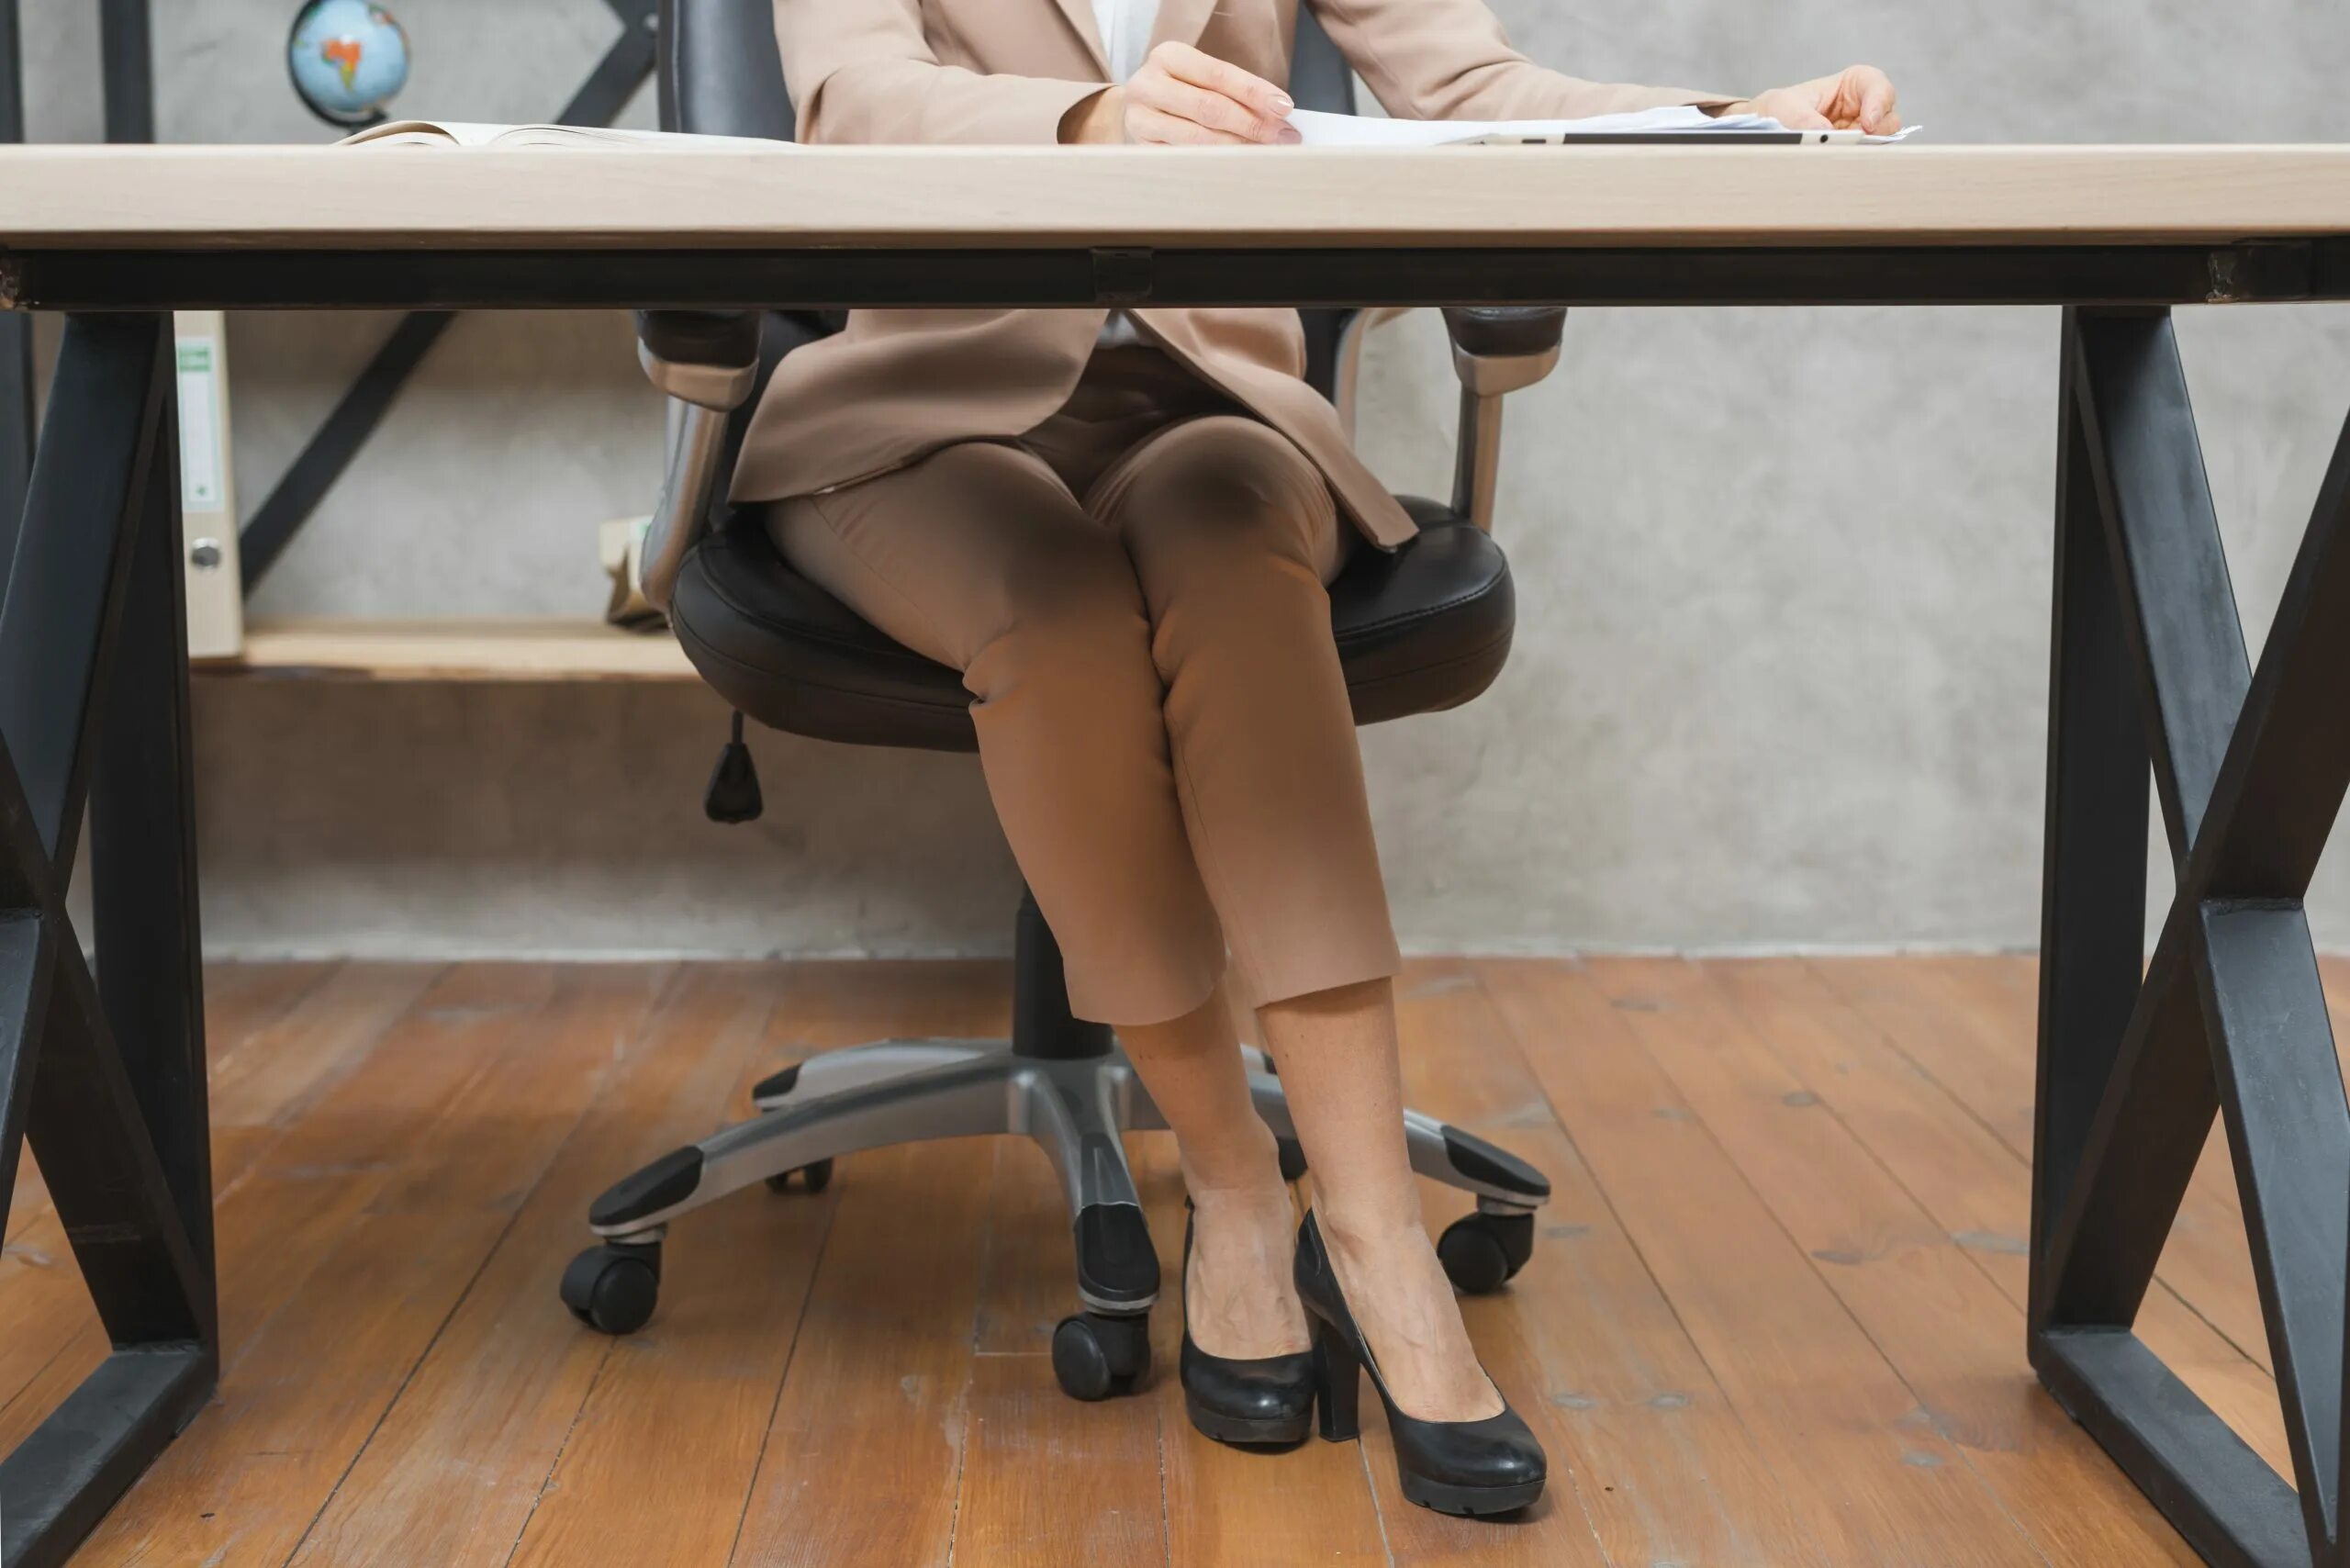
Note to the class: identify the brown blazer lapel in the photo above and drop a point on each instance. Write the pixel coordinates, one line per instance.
(1079, 14)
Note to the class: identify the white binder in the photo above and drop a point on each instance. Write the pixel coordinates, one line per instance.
(215, 592)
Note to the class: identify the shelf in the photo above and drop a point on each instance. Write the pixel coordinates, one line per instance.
(452, 650)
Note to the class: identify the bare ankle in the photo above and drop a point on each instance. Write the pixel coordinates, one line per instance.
(1246, 1169)
(1366, 1230)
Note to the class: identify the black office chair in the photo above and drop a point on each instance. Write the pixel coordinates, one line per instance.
(1424, 628)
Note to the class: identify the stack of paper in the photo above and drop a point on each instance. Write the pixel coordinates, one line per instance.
(1675, 124)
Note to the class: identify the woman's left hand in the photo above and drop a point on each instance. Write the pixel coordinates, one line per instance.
(1859, 97)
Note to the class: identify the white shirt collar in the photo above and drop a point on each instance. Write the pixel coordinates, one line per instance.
(1125, 27)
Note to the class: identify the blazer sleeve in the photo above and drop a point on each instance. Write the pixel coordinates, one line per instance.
(864, 71)
(1448, 60)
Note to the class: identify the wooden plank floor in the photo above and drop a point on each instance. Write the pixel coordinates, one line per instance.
(1775, 1316)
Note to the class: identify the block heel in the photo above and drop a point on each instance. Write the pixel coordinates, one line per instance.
(1489, 1466)
(1338, 1385)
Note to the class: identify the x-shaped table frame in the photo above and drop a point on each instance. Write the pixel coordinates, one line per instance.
(103, 1070)
(2136, 1058)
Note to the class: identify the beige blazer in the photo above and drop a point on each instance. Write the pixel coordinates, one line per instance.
(897, 384)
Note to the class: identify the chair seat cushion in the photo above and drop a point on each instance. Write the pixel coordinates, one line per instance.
(1424, 628)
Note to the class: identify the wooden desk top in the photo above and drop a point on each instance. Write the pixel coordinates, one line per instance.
(177, 197)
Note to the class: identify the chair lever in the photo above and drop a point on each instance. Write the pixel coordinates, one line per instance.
(733, 794)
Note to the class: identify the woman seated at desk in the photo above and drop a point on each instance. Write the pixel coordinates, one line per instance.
(1120, 529)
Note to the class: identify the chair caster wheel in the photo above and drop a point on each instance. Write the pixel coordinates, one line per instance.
(1293, 1156)
(1481, 1252)
(1095, 1356)
(612, 1288)
(817, 1176)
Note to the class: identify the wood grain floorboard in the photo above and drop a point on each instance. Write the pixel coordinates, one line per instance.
(1968, 1028)
(1871, 1475)
(1050, 1480)
(1936, 1319)
(278, 1446)
(1774, 1316)
(1046, 1479)
(2207, 1260)
(679, 1410)
(1585, 1343)
(455, 1470)
(55, 1337)
(1976, 1189)
(274, 1074)
(238, 1000)
(863, 1455)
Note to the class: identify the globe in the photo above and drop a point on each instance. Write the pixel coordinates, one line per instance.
(349, 58)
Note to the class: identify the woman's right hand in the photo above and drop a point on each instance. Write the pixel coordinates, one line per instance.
(1185, 98)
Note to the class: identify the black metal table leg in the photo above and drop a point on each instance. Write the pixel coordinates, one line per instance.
(104, 1071)
(2149, 668)
(15, 326)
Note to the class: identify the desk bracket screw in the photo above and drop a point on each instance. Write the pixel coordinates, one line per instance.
(2226, 288)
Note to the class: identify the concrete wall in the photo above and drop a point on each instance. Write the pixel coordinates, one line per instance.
(1779, 680)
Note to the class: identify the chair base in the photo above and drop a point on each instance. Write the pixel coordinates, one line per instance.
(1063, 1085)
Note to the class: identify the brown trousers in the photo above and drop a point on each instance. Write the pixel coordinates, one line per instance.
(1161, 716)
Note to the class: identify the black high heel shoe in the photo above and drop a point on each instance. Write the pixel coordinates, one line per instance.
(1266, 1400)
(1488, 1466)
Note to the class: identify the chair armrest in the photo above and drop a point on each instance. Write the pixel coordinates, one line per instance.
(706, 361)
(1505, 332)
(710, 358)
(1496, 350)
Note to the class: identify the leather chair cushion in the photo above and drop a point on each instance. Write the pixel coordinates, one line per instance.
(1425, 628)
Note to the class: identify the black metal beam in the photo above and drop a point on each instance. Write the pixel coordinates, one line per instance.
(16, 331)
(2287, 764)
(2253, 766)
(2233, 1510)
(2288, 1132)
(127, 65)
(63, 1477)
(2132, 447)
(2151, 1116)
(2093, 851)
(268, 277)
(2178, 606)
(12, 74)
(336, 442)
(65, 592)
(17, 400)
(25, 967)
(105, 1177)
(143, 902)
(330, 451)
(623, 70)
(116, 1119)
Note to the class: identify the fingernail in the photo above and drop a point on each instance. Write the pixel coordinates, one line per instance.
(1290, 136)
(1283, 103)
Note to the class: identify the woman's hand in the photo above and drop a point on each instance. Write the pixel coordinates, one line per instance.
(1186, 99)
(1859, 97)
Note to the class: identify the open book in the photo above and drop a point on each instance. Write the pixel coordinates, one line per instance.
(457, 133)
(1679, 124)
